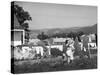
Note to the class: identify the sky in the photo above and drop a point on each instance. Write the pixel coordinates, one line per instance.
(47, 15)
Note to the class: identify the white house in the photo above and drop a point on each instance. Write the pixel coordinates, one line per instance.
(17, 33)
(17, 36)
(59, 40)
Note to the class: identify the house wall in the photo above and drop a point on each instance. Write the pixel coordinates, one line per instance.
(17, 38)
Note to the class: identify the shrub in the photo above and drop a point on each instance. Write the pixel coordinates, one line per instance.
(56, 52)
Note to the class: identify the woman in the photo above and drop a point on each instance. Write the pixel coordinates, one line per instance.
(69, 51)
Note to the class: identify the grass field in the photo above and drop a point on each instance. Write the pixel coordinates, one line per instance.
(54, 64)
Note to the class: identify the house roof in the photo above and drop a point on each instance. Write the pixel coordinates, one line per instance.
(59, 39)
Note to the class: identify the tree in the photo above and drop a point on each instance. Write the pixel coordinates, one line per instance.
(72, 35)
(80, 33)
(59, 35)
(21, 15)
(77, 48)
(42, 36)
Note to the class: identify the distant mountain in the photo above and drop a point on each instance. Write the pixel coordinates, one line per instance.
(89, 29)
(86, 29)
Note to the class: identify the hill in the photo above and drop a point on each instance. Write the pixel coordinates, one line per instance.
(86, 30)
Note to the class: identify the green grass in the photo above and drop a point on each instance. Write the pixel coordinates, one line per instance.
(54, 64)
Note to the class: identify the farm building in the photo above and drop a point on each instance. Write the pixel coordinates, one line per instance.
(59, 41)
(89, 41)
(92, 37)
(17, 33)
